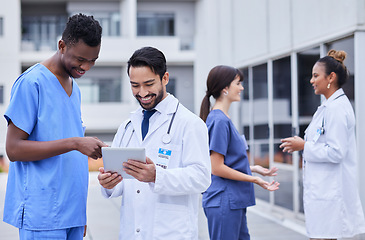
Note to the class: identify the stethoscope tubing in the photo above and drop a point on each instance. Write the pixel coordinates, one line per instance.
(166, 138)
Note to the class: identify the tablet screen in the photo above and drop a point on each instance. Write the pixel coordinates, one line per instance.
(113, 158)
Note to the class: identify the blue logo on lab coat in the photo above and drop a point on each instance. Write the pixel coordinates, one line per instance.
(164, 152)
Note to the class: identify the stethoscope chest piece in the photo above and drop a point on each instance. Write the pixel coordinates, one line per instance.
(166, 138)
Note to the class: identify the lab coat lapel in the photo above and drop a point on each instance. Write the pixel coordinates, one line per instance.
(162, 118)
(165, 110)
(136, 120)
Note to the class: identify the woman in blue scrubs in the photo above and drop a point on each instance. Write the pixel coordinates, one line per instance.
(231, 191)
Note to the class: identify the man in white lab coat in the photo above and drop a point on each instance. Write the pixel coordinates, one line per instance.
(162, 201)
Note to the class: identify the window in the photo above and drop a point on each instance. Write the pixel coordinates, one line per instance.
(101, 84)
(42, 32)
(260, 147)
(282, 114)
(347, 45)
(171, 87)
(1, 26)
(109, 21)
(308, 102)
(245, 84)
(1, 94)
(155, 24)
(245, 109)
(95, 90)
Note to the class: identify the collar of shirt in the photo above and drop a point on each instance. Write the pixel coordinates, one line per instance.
(333, 97)
(166, 106)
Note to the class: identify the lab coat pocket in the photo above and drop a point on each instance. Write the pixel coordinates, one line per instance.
(171, 220)
(323, 181)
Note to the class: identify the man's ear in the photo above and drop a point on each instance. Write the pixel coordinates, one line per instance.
(61, 46)
(165, 79)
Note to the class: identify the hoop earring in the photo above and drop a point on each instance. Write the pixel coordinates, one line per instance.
(328, 86)
(225, 93)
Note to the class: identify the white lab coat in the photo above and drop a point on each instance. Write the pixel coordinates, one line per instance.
(332, 205)
(168, 208)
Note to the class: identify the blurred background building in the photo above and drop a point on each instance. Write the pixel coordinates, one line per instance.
(274, 42)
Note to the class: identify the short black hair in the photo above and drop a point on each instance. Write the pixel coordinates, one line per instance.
(86, 28)
(149, 57)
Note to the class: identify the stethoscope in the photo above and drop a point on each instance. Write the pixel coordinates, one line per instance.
(321, 130)
(166, 138)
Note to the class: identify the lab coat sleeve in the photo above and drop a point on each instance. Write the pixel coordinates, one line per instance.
(337, 133)
(195, 174)
(111, 193)
(117, 190)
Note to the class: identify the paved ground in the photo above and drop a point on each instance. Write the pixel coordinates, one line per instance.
(103, 220)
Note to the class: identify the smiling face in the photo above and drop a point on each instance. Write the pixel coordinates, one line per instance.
(234, 90)
(320, 79)
(78, 58)
(147, 87)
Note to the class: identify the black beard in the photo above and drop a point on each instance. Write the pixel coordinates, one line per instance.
(157, 100)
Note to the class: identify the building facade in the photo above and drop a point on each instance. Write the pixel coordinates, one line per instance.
(275, 43)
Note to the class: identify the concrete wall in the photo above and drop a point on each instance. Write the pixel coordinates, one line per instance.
(9, 57)
(245, 33)
(264, 27)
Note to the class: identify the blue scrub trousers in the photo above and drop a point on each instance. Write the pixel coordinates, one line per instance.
(75, 233)
(226, 223)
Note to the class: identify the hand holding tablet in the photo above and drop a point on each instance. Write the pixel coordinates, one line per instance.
(113, 158)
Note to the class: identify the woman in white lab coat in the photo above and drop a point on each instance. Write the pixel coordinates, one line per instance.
(332, 205)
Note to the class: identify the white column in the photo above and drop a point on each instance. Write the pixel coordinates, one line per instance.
(295, 127)
(359, 60)
(270, 82)
(129, 18)
(213, 44)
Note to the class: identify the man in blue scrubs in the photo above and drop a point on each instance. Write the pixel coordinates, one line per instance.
(48, 173)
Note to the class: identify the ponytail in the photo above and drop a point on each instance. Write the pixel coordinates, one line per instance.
(205, 108)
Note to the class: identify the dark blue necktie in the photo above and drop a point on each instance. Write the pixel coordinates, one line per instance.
(145, 123)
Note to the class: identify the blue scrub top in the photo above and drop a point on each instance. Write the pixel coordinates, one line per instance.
(226, 140)
(50, 193)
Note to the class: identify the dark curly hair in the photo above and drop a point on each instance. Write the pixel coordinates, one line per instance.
(86, 28)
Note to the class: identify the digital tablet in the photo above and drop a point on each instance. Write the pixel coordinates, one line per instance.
(113, 158)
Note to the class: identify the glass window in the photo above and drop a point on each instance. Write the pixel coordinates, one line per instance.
(347, 45)
(94, 90)
(1, 94)
(155, 24)
(282, 106)
(171, 87)
(245, 83)
(284, 197)
(260, 102)
(307, 100)
(101, 84)
(260, 87)
(109, 21)
(1, 26)
(244, 105)
(42, 32)
(261, 157)
(260, 151)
